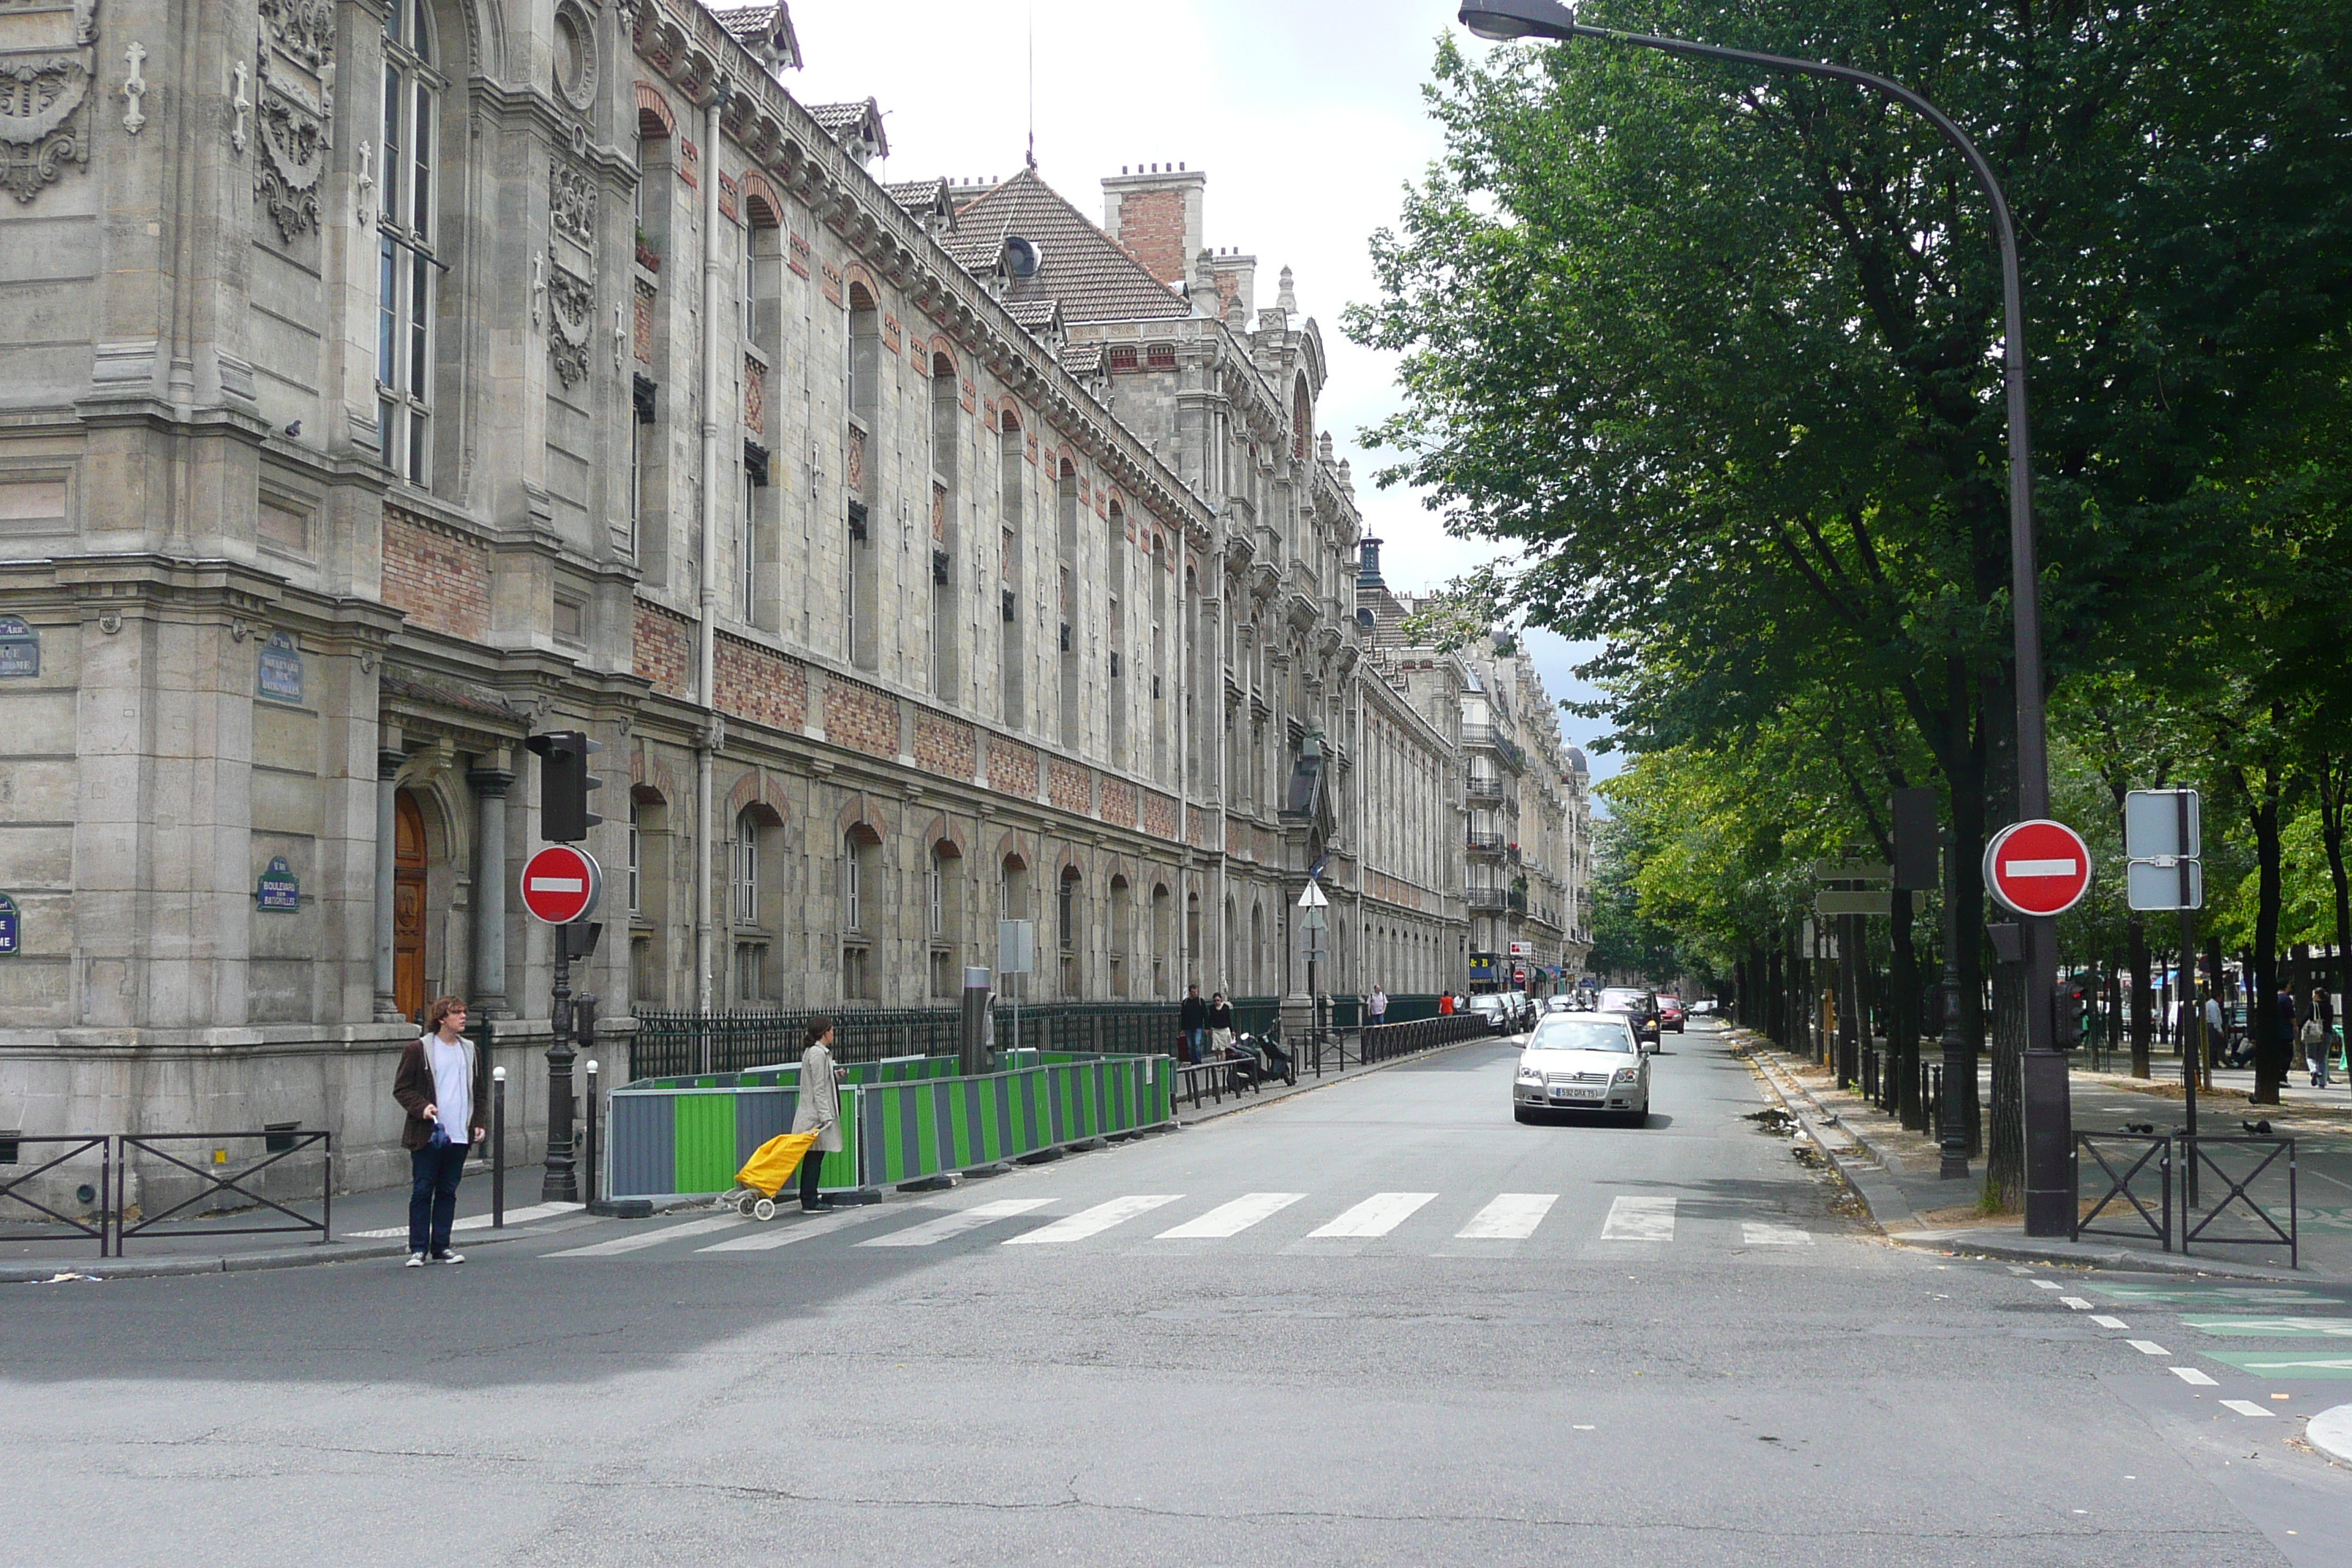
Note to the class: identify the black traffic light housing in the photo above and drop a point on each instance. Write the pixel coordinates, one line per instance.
(564, 782)
(1917, 839)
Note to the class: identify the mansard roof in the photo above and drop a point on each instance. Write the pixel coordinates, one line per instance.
(1087, 271)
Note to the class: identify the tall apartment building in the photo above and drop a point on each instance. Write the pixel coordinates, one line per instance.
(382, 383)
(1523, 794)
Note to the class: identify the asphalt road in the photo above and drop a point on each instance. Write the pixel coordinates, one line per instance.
(1462, 1340)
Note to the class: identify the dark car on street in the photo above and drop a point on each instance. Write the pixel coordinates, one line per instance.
(1640, 1007)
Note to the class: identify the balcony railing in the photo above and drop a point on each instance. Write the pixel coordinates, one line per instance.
(1483, 789)
(1486, 843)
(1495, 740)
(1486, 898)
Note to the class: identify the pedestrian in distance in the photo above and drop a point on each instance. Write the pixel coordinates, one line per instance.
(1445, 1005)
(443, 1082)
(818, 1110)
(1377, 1006)
(1192, 1023)
(1221, 1022)
(2319, 1040)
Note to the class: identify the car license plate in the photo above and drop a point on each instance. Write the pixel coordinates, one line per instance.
(1577, 1091)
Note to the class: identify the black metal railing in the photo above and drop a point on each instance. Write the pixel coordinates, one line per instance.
(683, 1044)
(13, 1189)
(2237, 1169)
(278, 1145)
(1390, 1041)
(2124, 1173)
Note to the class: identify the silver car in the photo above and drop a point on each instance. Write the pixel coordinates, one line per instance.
(1583, 1061)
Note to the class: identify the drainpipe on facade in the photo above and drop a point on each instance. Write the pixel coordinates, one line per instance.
(707, 627)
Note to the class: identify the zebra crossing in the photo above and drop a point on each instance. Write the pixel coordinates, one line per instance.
(1632, 1225)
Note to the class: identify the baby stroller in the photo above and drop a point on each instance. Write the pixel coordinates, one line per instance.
(763, 1175)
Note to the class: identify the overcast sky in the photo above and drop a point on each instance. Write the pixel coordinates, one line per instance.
(1307, 116)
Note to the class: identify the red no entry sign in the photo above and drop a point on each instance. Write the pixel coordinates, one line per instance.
(2038, 868)
(559, 884)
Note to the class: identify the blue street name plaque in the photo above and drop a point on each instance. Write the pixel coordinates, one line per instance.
(20, 647)
(281, 668)
(280, 888)
(10, 927)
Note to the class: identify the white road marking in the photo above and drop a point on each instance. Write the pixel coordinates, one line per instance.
(2107, 1322)
(2190, 1374)
(476, 1222)
(2050, 1284)
(1512, 1216)
(772, 1236)
(645, 1238)
(1640, 1219)
(1094, 1221)
(938, 1230)
(1376, 1215)
(1755, 1233)
(2148, 1347)
(2075, 1302)
(2244, 1407)
(1232, 1218)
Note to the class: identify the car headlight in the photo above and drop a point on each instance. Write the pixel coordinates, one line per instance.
(1627, 1075)
(1530, 1074)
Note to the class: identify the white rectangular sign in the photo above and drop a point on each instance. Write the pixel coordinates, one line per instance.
(2151, 886)
(2152, 824)
(1016, 946)
(1523, 950)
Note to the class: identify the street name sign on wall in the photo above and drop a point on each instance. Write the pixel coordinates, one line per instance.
(2038, 868)
(280, 890)
(561, 884)
(10, 927)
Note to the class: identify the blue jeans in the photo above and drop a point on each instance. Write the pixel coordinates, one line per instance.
(433, 1196)
(1195, 1042)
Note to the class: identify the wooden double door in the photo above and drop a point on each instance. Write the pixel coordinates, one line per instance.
(408, 914)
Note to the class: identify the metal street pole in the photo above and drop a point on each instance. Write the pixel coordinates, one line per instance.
(2049, 1134)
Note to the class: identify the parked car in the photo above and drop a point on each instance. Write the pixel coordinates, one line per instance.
(1558, 1004)
(1496, 1010)
(1640, 1008)
(1583, 1061)
(1525, 1006)
(1701, 1007)
(1671, 1014)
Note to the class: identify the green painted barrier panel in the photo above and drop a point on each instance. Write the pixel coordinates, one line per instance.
(706, 1141)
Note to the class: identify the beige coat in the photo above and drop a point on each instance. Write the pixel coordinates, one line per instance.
(819, 1107)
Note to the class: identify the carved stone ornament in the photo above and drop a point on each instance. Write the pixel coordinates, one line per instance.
(572, 205)
(295, 112)
(572, 305)
(43, 86)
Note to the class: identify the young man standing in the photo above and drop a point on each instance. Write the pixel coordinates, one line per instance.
(444, 1084)
(1192, 1023)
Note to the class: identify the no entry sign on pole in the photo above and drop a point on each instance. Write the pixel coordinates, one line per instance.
(559, 884)
(2038, 868)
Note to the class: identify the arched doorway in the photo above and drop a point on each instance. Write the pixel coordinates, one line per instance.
(408, 907)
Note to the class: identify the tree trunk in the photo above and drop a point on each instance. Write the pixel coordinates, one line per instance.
(2270, 1046)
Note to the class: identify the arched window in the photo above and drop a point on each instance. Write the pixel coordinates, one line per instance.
(1011, 481)
(1068, 913)
(407, 241)
(1163, 920)
(754, 900)
(1122, 933)
(947, 432)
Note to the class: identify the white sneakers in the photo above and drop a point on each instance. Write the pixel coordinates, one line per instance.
(417, 1260)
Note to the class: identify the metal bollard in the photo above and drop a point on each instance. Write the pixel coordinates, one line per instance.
(588, 1176)
(498, 1148)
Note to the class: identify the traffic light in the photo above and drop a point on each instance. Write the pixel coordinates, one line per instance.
(1918, 845)
(564, 782)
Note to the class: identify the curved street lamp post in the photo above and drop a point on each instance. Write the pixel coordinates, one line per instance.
(2049, 1136)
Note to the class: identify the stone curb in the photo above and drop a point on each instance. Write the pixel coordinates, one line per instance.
(308, 1255)
(1882, 1199)
(2330, 1432)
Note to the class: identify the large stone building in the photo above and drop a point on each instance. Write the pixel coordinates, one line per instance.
(382, 382)
(1522, 794)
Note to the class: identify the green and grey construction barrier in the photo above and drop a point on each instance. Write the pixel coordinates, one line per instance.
(901, 1119)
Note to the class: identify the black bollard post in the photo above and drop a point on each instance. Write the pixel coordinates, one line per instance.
(498, 1148)
(588, 1176)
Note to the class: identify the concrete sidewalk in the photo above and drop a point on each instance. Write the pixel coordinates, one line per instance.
(1895, 1173)
(366, 1225)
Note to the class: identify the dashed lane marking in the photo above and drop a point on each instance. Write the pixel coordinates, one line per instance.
(1093, 1221)
(932, 1232)
(2244, 1407)
(1231, 1218)
(1756, 1234)
(1640, 1219)
(1512, 1216)
(1376, 1215)
(2190, 1374)
(2148, 1347)
(640, 1241)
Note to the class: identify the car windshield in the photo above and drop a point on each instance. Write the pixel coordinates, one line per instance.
(1624, 1001)
(1670, 1001)
(1582, 1035)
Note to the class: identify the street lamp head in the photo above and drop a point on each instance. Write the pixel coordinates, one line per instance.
(1503, 20)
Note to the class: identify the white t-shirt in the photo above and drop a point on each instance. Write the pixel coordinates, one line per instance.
(453, 1086)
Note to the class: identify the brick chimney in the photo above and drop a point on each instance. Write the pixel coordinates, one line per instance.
(1156, 215)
